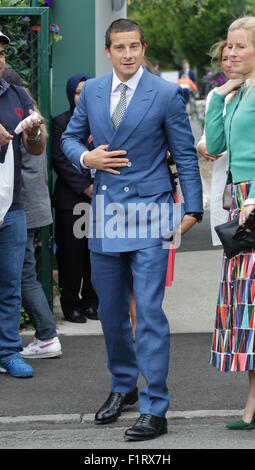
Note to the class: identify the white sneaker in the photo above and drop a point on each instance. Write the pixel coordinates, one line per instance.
(46, 348)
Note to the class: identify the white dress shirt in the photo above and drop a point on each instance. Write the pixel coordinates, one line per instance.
(115, 95)
(131, 87)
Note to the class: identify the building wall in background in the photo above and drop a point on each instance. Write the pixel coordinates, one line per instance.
(76, 51)
(104, 17)
(82, 26)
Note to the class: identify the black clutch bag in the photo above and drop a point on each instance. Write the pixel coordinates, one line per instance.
(235, 238)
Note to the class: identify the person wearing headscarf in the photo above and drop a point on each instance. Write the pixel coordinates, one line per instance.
(77, 296)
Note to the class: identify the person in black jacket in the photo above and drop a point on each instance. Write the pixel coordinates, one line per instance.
(78, 298)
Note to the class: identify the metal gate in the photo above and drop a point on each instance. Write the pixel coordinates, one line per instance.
(29, 55)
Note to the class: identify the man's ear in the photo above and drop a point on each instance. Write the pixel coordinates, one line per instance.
(108, 53)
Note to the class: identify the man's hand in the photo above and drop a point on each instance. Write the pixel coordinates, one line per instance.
(33, 145)
(31, 127)
(88, 191)
(187, 223)
(203, 151)
(5, 137)
(100, 159)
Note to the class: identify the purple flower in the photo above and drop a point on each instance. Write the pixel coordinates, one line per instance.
(221, 79)
(47, 3)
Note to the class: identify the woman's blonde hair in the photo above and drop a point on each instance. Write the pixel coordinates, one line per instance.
(149, 66)
(248, 24)
(216, 52)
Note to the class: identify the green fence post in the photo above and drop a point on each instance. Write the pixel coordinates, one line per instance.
(41, 14)
(45, 107)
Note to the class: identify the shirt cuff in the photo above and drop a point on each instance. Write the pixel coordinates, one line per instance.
(247, 202)
(81, 160)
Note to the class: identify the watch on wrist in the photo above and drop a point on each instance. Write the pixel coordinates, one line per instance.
(197, 215)
(37, 137)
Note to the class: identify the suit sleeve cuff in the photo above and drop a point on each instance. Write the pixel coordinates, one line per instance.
(81, 160)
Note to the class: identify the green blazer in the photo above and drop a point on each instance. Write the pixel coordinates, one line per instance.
(234, 132)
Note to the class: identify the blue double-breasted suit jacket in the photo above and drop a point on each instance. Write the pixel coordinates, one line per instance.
(154, 121)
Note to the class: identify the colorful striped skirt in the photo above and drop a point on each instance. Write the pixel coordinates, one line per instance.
(233, 344)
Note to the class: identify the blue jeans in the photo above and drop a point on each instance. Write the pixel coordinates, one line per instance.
(13, 237)
(34, 300)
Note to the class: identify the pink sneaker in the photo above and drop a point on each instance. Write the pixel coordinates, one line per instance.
(46, 348)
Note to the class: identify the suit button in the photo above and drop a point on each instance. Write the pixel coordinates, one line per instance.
(126, 189)
(104, 187)
(129, 164)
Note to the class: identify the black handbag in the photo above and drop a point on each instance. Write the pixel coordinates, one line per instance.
(235, 238)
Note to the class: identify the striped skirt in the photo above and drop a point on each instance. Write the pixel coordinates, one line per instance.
(233, 344)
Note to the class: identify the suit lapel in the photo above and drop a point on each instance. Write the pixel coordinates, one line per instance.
(136, 110)
(102, 108)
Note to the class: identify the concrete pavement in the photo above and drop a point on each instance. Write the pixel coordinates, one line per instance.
(205, 433)
(55, 409)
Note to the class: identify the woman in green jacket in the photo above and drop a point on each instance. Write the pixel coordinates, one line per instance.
(233, 345)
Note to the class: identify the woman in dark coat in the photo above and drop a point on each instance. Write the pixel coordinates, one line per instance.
(78, 298)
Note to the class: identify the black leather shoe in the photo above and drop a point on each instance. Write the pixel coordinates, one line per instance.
(91, 313)
(75, 316)
(114, 405)
(146, 427)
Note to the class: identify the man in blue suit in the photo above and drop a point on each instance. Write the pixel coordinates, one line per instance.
(134, 118)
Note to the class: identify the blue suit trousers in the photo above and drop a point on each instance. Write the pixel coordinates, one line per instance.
(113, 278)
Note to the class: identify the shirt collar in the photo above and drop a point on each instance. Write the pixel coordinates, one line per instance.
(3, 86)
(131, 83)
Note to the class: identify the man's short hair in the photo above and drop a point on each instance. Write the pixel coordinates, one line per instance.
(4, 39)
(123, 24)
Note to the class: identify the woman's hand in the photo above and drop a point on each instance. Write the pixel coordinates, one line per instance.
(229, 86)
(244, 213)
(203, 151)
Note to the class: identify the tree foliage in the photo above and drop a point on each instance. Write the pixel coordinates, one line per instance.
(177, 29)
(155, 20)
(18, 29)
(18, 3)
